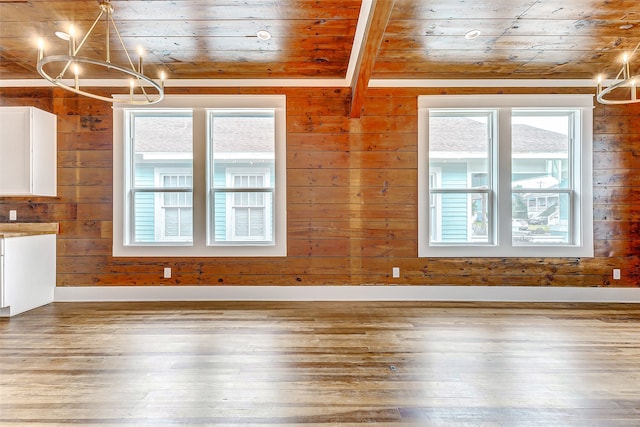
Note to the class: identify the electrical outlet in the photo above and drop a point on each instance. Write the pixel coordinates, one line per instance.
(396, 272)
(167, 272)
(13, 215)
(616, 274)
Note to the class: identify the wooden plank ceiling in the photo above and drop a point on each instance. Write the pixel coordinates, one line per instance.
(318, 39)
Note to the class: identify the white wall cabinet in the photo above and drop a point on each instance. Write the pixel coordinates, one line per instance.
(27, 152)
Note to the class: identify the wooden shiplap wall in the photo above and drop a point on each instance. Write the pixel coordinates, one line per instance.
(352, 200)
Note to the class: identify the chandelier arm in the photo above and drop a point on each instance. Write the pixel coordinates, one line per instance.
(144, 92)
(635, 50)
(77, 48)
(64, 69)
(86, 36)
(126, 52)
(620, 73)
(108, 36)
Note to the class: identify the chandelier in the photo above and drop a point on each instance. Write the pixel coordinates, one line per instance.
(67, 68)
(622, 89)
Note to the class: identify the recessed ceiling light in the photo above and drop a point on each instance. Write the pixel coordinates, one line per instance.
(472, 34)
(263, 35)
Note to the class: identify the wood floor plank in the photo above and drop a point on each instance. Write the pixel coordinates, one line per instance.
(320, 364)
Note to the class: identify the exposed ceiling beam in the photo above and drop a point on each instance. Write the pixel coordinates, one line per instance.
(376, 25)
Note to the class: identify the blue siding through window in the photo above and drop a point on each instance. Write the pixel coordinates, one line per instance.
(144, 206)
(454, 206)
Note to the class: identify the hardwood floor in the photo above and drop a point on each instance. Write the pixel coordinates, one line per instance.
(426, 364)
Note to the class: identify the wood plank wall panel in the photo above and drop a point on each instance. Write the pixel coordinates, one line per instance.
(352, 200)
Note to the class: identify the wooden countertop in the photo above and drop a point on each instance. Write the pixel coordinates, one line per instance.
(21, 229)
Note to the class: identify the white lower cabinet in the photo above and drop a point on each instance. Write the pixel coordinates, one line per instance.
(27, 273)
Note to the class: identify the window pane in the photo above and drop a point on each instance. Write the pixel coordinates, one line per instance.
(459, 149)
(244, 140)
(459, 158)
(245, 216)
(540, 150)
(540, 218)
(186, 222)
(243, 156)
(249, 223)
(163, 217)
(172, 222)
(178, 222)
(460, 218)
(162, 141)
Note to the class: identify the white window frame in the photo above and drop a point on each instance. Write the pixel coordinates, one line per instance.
(436, 174)
(582, 210)
(198, 104)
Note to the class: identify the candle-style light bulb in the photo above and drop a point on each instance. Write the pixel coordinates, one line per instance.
(40, 48)
(625, 66)
(76, 72)
(131, 85)
(600, 83)
(140, 51)
(72, 40)
(163, 77)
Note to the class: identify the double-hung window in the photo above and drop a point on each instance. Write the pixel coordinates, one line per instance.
(200, 176)
(505, 176)
(242, 175)
(160, 164)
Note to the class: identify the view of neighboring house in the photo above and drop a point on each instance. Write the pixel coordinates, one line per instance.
(240, 156)
(240, 169)
(460, 157)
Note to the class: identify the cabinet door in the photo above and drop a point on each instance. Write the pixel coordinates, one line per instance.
(15, 151)
(27, 152)
(43, 153)
(27, 287)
